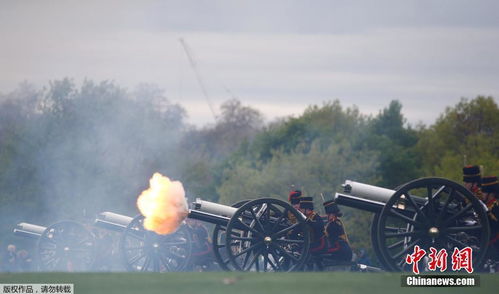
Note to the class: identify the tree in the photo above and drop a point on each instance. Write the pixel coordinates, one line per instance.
(18, 187)
(467, 133)
(328, 123)
(395, 143)
(95, 147)
(206, 151)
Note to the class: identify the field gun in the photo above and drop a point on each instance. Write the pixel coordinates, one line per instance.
(265, 234)
(62, 246)
(146, 251)
(429, 212)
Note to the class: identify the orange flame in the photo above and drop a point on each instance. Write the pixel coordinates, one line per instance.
(163, 205)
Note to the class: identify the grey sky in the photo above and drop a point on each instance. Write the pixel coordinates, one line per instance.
(277, 56)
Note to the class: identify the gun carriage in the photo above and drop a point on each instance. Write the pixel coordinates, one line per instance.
(143, 250)
(265, 234)
(429, 212)
(63, 246)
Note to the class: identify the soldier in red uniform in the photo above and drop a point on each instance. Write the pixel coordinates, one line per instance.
(316, 224)
(490, 189)
(202, 254)
(472, 180)
(294, 200)
(338, 246)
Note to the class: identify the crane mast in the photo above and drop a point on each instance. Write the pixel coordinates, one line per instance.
(198, 75)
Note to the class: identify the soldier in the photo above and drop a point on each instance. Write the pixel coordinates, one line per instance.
(104, 250)
(338, 246)
(472, 180)
(202, 249)
(316, 224)
(10, 259)
(490, 189)
(294, 200)
(24, 260)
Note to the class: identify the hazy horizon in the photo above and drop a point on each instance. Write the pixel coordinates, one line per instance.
(277, 57)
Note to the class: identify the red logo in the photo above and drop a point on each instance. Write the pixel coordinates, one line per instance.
(438, 260)
(461, 259)
(415, 258)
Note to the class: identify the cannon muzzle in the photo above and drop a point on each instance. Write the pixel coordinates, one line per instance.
(29, 230)
(368, 197)
(213, 208)
(112, 221)
(211, 212)
(368, 192)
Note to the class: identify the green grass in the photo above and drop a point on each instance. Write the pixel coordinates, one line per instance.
(240, 283)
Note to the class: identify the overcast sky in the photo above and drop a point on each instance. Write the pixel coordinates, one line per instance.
(276, 56)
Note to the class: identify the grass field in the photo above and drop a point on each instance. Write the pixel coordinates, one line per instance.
(240, 283)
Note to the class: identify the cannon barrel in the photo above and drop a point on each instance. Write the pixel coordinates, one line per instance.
(112, 221)
(368, 192)
(214, 208)
(368, 197)
(29, 230)
(215, 213)
(363, 196)
(208, 217)
(358, 202)
(211, 212)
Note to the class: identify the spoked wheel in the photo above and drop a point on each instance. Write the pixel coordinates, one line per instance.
(66, 246)
(374, 240)
(144, 250)
(431, 212)
(262, 237)
(219, 243)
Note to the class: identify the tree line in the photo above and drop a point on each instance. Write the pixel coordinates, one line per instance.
(69, 152)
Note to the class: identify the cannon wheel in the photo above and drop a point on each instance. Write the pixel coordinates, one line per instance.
(374, 237)
(431, 212)
(66, 246)
(261, 237)
(144, 250)
(374, 241)
(219, 243)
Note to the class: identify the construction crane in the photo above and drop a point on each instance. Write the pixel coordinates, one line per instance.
(198, 76)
